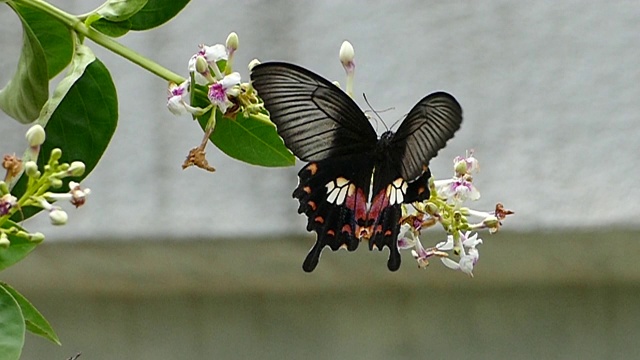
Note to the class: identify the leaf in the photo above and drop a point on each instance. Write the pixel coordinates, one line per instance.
(112, 28)
(120, 10)
(34, 321)
(12, 329)
(156, 13)
(85, 119)
(28, 90)
(55, 38)
(17, 250)
(251, 140)
(80, 118)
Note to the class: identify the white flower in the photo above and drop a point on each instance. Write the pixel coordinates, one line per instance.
(177, 99)
(58, 216)
(76, 196)
(7, 201)
(457, 190)
(214, 53)
(36, 135)
(468, 258)
(408, 237)
(220, 91)
(466, 165)
(347, 54)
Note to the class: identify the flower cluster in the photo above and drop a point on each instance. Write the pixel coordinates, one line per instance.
(212, 87)
(445, 206)
(37, 193)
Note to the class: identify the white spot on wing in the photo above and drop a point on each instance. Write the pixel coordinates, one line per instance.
(338, 190)
(396, 191)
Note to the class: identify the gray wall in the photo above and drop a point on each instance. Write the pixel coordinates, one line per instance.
(165, 263)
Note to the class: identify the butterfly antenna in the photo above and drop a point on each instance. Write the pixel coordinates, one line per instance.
(397, 121)
(374, 111)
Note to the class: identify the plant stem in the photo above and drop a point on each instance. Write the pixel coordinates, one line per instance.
(79, 27)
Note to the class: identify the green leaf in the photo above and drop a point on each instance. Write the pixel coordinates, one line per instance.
(156, 13)
(84, 121)
(80, 118)
(19, 248)
(28, 90)
(34, 321)
(112, 28)
(250, 139)
(120, 10)
(12, 329)
(55, 38)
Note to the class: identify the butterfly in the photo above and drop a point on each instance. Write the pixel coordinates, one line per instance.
(354, 183)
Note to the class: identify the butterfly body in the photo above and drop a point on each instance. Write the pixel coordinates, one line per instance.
(354, 183)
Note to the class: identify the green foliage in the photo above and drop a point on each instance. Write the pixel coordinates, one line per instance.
(28, 90)
(156, 13)
(34, 321)
(112, 28)
(84, 119)
(120, 10)
(251, 140)
(20, 247)
(117, 17)
(81, 117)
(13, 326)
(56, 40)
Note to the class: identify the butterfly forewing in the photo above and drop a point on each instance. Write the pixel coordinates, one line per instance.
(425, 130)
(316, 119)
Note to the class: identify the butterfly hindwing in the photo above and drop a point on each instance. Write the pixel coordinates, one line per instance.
(333, 194)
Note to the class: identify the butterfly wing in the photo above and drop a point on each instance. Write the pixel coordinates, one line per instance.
(316, 119)
(401, 172)
(425, 130)
(321, 124)
(333, 194)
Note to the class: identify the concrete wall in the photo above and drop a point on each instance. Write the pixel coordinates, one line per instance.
(165, 263)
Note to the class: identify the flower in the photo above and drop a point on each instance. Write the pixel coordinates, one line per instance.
(457, 190)
(219, 92)
(13, 165)
(7, 201)
(58, 216)
(466, 165)
(76, 195)
(177, 99)
(468, 259)
(347, 54)
(408, 237)
(35, 135)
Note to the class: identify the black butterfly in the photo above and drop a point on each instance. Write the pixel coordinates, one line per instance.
(322, 125)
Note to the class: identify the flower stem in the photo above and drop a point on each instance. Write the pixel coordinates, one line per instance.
(74, 23)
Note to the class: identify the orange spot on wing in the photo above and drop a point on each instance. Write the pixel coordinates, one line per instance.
(307, 189)
(347, 228)
(313, 168)
(331, 232)
(319, 219)
(312, 205)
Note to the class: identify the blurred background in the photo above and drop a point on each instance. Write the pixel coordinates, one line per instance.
(163, 263)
